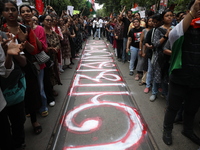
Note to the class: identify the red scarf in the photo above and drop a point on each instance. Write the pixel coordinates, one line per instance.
(56, 30)
(194, 24)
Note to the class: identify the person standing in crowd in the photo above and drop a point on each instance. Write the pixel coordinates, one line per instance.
(65, 44)
(78, 29)
(12, 114)
(53, 42)
(89, 23)
(118, 35)
(12, 134)
(100, 27)
(94, 22)
(184, 81)
(57, 29)
(133, 44)
(109, 29)
(26, 14)
(32, 95)
(142, 23)
(157, 21)
(127, 20)
(97, 33)
(144, 50)
(72, 39)
(158, 59)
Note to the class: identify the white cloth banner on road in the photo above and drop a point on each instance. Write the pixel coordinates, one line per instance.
(70, 10)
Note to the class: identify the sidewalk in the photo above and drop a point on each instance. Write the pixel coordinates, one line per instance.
(152, 113)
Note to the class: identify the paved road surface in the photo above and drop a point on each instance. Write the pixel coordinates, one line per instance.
(101, 107)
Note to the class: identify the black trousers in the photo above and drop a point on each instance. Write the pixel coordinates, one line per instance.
(119, 48)
(178, 94)
(48, 87)
(12, 133)
(93, 31)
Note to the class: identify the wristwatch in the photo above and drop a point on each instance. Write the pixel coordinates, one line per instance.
(165, 37)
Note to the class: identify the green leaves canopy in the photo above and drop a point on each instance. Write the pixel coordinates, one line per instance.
(114, 6)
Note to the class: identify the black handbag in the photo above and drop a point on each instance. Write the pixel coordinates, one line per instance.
(42, 57)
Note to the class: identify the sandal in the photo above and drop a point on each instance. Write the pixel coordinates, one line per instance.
(37, 129)
(141, 83)
(44, 113)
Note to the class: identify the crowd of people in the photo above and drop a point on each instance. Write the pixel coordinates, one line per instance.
(162, 51)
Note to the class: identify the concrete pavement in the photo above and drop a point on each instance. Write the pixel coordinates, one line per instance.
(151, 112)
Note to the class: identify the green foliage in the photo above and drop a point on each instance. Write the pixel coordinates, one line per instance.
(181, 5)
(113, 6)
(59, 5)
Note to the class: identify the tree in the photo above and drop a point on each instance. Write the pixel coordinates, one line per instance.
(114, 6)
(59, 5)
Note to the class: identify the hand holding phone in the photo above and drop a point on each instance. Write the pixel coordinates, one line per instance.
(22, 33)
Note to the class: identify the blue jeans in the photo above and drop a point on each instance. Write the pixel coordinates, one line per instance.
(149, 74)
(155, 87)
(98, 31)
(42, 93)
(124, 49)
(134, 55)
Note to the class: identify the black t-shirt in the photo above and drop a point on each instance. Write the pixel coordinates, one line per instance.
(126, 22)
(135, 35)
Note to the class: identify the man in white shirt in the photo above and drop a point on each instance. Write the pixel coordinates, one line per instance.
(100, 26)
(94, 27)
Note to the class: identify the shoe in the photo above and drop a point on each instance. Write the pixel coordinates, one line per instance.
(141, 83)
(160, 90)
(137, 77)
(93, 38)
(146, 90)
(99, 39)
(163, 96)
(64, 67)
(28, 115)
(61, 70)
(131, 73)
(152, 98)
(167, 137)
(44, 113)
(192, 136)
(119, 60)
(52, 103)
(69, 67)
(71, 63)
(37, 129)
